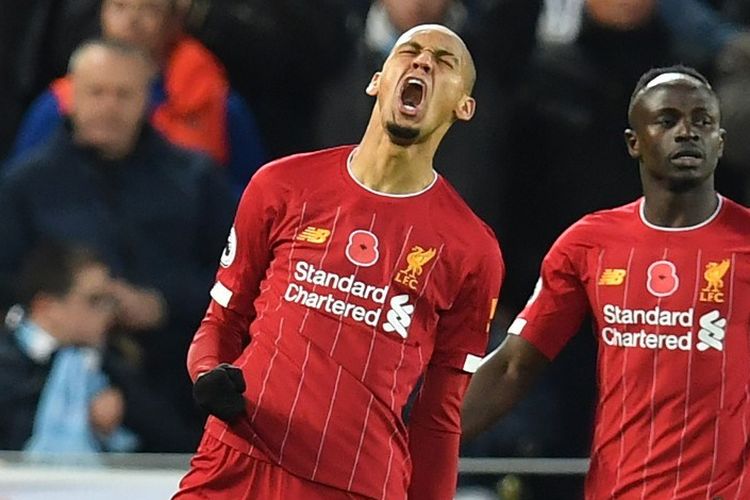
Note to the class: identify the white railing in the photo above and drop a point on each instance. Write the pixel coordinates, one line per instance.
(155, 476)
(548, 466)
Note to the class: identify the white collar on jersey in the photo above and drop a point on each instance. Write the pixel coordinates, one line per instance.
(380, 193)
(642, 213)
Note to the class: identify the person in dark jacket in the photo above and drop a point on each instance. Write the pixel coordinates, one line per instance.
(62, 388)
(191, 101)
(157, 214)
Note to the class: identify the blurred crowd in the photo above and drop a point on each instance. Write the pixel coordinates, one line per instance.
(130, 128)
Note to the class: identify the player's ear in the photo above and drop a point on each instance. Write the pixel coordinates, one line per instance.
(466, 108)
(631, 140)
(722, 135)
(372, 87)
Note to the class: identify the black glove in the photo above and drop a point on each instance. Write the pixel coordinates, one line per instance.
(219, 392)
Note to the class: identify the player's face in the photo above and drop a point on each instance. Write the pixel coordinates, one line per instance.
(110, 94)
(676, 135)
(144, 23)
(423, 85)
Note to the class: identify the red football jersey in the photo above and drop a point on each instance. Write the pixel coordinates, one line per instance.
(350, 295)
(671, 310)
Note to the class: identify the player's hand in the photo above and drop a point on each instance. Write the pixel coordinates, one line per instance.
(219, 392)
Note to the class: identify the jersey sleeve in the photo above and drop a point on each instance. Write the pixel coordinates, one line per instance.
(462, 330)
(554, 313)
(223, 333)
(462, 333)
(435, 433)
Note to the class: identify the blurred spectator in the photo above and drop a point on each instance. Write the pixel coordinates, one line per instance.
(62, 391)
(278, 53)
(699, 30)
(563, 129)
(156, 213)
(470, 157)
(737, 11)
(733, 87)
(191, 102)
(36, 40)
(560, 21)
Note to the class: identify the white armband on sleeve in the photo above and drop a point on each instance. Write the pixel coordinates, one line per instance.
(516, 327)
(221, 294)
(472, 363)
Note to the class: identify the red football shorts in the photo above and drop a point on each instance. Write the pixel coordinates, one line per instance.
(219, 472)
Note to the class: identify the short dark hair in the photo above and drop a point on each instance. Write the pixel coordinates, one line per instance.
(649, 75)
(51, 268)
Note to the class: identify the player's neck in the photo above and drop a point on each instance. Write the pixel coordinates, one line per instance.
(385, 167)
(669, 209)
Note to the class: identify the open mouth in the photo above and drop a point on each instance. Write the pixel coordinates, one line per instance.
(412, 96)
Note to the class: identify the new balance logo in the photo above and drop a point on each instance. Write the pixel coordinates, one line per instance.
(314, 234)
(399, 316)
(713, 329)
(612, 277)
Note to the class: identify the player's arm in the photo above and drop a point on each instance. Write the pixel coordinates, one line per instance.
(223, 333)
(435, 422)
(500, 383)
(551, 317)
(435, 433)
